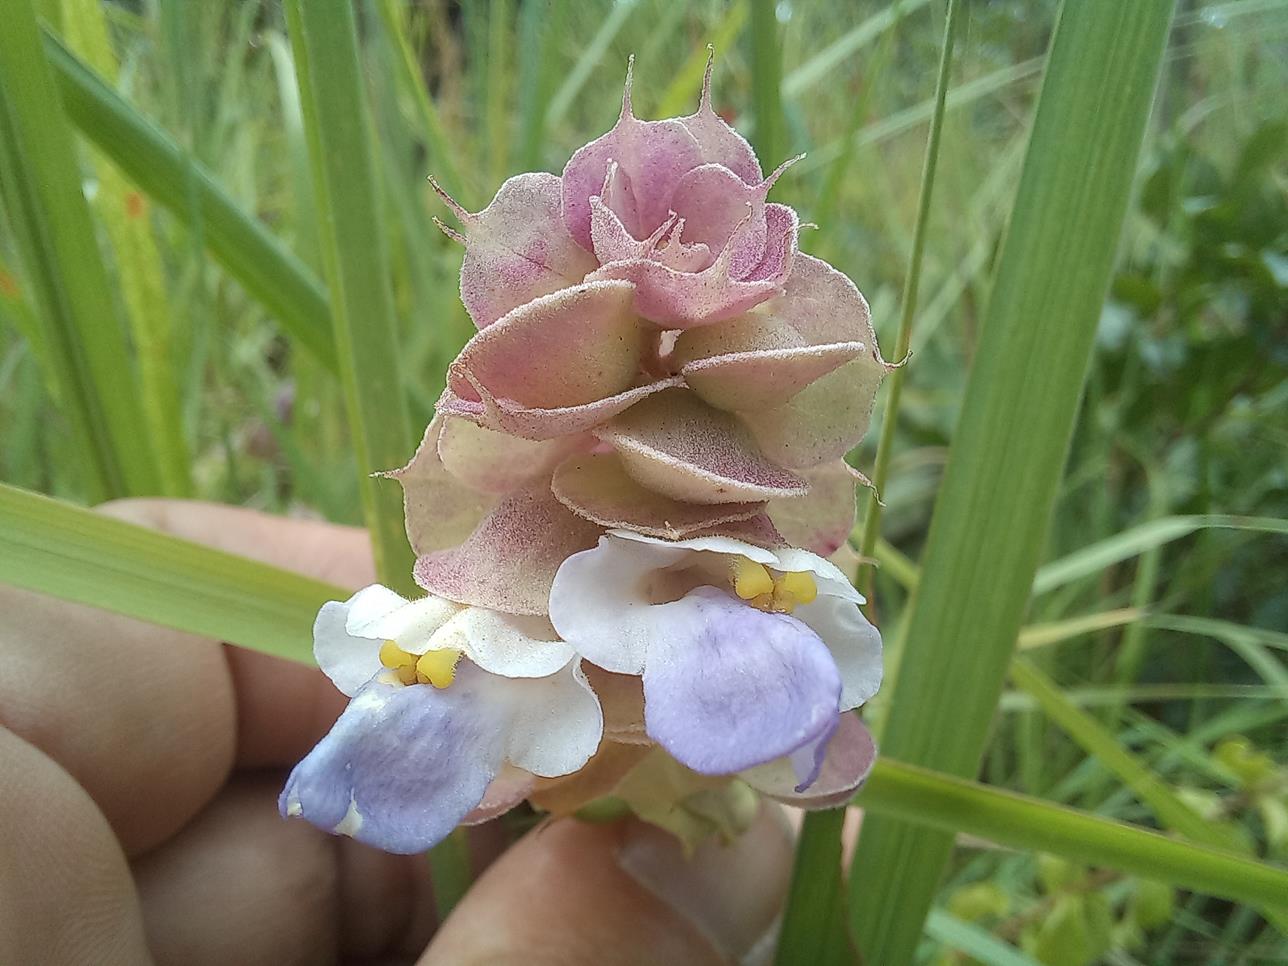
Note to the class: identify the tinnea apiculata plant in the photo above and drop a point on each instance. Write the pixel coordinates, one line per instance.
(622, 514)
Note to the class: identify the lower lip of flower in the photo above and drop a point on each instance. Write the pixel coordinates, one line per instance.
(437, 667)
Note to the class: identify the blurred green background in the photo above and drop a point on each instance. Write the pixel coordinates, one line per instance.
(1167, 624)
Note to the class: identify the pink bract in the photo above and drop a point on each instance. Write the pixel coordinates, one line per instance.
(651, 338)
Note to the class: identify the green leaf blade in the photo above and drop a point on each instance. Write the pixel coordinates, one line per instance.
(1017, 417)
(153, 161)
(75, 554)
(40, 184)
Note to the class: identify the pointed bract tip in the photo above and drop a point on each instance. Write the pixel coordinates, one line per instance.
(610, 172)
(627, 110)
(457, 209)
(448, 230)
(704, 103)
(777, 172)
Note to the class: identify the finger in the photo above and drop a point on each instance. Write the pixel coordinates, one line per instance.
(573, 894)
(283, 708)
(65, 889)
(147, 719)
(337, 554)
(240, 885)
(141, 716)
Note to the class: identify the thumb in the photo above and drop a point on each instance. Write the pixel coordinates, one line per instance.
(578, 894)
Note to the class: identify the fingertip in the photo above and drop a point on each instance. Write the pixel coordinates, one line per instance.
(574, 893)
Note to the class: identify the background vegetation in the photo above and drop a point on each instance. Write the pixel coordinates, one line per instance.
(1154, 687)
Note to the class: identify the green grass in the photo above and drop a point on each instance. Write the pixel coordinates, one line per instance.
(1157, 619)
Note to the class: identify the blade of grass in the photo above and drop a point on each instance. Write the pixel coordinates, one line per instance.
(825, 206)
(325, 44)
(139, 270)
(895, 124)
(498, 106)
(1021, 399)
(1171, 812)
(911, 287)
(1095, 557)
(766, 81)
(821, 65)
(591, 56)
(813, 929)
(55, 548)
(1053, 632)
(541, 23)
(154, 162)
(954, 805)
(40, 184)
(975, 941)
(685, 86)
(430, 124)
(1249, 643)
(1013, 701)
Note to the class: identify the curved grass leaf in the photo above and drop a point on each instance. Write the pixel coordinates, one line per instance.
(75, 554)
(1172, 813)
(1096, 557)
(139, 271)
(355, 250)
(976, 942)
(766, 81)
(951, 805)
(994, 505)
(821, 65)
(83, 341)
(161, 169)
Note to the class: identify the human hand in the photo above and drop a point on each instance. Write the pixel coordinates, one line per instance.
(138, 815)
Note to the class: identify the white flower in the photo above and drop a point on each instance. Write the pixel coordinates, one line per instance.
(746, 654)
(444, 695)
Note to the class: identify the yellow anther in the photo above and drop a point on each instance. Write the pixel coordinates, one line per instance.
(800, 587)
(750, 579)
(406, 674)
(392, 656)
(785, 593)
(438, 667)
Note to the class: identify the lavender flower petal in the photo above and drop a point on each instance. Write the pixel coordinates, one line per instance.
(402, 765)
(731, 686)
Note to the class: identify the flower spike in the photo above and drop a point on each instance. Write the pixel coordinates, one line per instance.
(622, 514)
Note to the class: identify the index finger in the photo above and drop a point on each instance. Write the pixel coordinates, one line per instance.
(283, 708)
(148, 720)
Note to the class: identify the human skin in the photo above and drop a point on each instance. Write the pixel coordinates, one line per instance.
(138, 817)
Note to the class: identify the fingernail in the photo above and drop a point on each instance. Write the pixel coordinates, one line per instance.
(732, 893)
